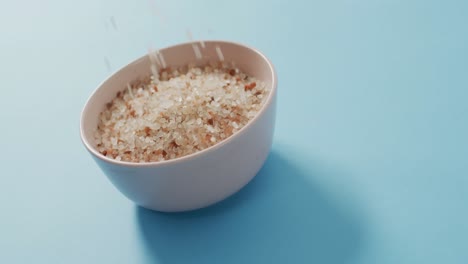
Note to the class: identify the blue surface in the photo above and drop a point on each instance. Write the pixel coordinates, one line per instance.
(370, 158)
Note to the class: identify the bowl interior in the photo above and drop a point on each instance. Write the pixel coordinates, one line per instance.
(246, 59)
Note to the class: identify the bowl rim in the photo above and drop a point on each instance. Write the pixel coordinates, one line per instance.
(266, 105)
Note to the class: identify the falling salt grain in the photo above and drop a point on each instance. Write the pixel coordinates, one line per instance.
(220, 53)
(153, 57)
(189, 34)
(197, 51)
(129, 88)
(161, 58)
(107, 62)
(114, 24)
(154, 71)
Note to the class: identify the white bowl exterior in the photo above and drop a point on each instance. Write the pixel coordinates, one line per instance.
(200, 179)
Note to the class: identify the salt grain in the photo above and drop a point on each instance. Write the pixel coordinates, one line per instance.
(129, 88)
(114, 24)
(220, 53)
(107, 62)
(153, 56)
(189, 34)
(154, 71)
(197, 51)
(161, 58)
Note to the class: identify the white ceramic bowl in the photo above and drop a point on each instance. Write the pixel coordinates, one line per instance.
(202, 178)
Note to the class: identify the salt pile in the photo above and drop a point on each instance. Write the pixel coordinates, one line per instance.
(174, 113)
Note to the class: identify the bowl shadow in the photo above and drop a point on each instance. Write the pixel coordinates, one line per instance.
(280, 217)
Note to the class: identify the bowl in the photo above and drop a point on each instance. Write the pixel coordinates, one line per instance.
(205, 177)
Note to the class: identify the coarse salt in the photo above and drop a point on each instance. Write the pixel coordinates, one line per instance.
(177, 112)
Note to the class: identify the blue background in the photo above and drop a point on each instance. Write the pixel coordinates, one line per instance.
(370, 157)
